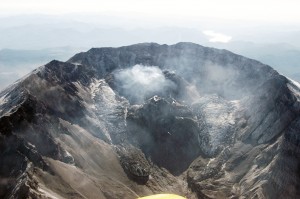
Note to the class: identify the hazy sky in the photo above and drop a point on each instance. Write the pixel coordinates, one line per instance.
(273, 11)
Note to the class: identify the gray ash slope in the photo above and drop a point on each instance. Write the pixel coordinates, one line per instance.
(201, 122)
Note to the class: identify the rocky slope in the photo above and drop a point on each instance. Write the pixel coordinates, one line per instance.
(148, 118)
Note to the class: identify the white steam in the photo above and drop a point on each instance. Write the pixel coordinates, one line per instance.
(140, 82)
(222, 80)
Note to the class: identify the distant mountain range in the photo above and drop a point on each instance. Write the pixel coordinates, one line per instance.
(16, 63)
(29, 41)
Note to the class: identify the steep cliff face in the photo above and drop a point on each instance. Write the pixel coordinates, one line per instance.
(148, 118)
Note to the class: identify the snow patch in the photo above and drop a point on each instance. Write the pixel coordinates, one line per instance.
(32, 145)
(294, 87)
(210, 161)
(217, 37)
(94, 87)
(223, 166)
(3, 100)
(48, 193)
(125, 115)
(102, 93)
(219, 116)
(294, 82)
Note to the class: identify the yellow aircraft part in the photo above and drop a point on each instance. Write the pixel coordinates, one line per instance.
(163, 196)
